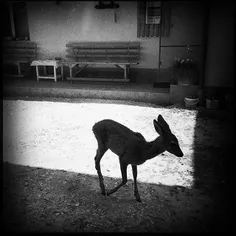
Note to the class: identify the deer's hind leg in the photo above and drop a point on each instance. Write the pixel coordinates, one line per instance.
(100, 152)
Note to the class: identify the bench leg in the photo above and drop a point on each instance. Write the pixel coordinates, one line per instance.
(125, 72)
(44, 71)
(19, 71)
(80, 69)
(62, 73)
(70, 70)
(128, 67)
(37, 72)
(18, 68)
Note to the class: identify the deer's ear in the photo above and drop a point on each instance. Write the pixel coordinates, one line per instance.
(161, 120)
(163, 123)
(157, 127)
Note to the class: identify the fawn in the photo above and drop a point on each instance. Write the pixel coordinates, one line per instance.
(131, 147)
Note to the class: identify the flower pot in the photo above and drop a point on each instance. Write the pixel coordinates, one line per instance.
(184, 80)
(191, 102)
(212, 104)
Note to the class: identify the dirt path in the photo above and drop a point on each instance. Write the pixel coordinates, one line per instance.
(59, 190)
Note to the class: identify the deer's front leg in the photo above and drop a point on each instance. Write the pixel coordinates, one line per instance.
(123, 168)
(136, 194)
(100, 152)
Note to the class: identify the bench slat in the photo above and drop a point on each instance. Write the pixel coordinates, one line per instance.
(98, 50)
(104, 45)
(104, 55)
(16, 56)
(120, 54)
(102, 60)
(19, 44)
(17, 52)
(97, 79)
(19, 59)
(20, 51)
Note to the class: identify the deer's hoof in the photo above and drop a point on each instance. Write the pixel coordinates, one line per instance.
(138, 200)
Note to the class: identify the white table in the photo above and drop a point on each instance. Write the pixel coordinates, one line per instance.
(55, 64)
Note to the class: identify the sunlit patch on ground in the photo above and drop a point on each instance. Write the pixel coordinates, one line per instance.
(59, 135)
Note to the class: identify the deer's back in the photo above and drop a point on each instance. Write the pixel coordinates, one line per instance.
(117, 137)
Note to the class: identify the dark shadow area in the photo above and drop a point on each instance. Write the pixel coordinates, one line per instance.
(45, 200)
(213, 153)
(92, 72)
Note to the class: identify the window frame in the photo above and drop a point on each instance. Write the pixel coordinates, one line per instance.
(153, 30)
(158, 7)
(12, 20)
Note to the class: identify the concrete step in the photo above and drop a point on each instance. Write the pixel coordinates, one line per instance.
(129, 92)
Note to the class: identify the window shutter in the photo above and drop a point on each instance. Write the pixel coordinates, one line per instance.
(153, 30)
(166, 17)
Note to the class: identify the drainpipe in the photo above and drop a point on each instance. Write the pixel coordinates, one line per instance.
(159, 53)
(205, 43)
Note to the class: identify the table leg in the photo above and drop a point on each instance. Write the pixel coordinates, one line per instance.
(55, 73)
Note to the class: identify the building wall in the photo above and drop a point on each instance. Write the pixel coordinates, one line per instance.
(187, 19)
(52, 26)
(187, 29)
(220, 53)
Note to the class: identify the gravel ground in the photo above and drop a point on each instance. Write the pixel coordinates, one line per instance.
(50, 183)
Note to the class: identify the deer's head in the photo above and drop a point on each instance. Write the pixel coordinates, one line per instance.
(170, 141)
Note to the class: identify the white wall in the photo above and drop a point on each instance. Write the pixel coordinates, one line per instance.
(52, 26)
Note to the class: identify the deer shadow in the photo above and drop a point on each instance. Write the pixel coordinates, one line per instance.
(39, 199)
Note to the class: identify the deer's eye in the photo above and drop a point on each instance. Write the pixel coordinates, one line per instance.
(173, 143)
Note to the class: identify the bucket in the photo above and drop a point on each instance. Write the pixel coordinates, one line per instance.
(212, 104)
(191, 102)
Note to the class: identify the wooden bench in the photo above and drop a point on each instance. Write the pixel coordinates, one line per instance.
(119, 54)
(17, 52)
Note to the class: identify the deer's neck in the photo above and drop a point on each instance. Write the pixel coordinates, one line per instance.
(154, 148)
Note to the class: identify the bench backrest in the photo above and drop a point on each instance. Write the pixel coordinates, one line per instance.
(107, 52)
(24, 51)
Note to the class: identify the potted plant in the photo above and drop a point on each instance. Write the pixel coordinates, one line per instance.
(191, 101)
(184, 69)
(212, 100)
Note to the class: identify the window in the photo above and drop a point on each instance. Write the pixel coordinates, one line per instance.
(16, 20)
(153, 12)
(150, 15)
